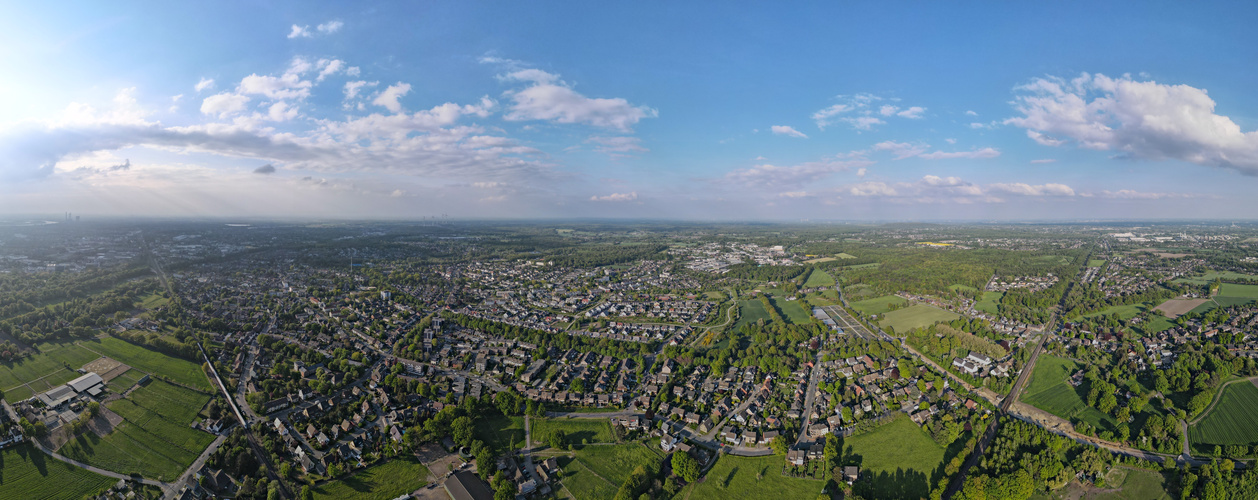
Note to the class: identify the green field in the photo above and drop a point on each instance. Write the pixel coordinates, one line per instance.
(734, 478)
(878, 305)
(596, 472)
(990, 302)
(180, 370)
(154, 440)
(29, 473)
(43, 370)
(899, 457)
(845, 255)
(819, 278)
(1125, 312)
(916, 316)
(121, 383)
(1050, 391)
(1213, 275)
(1234, 420)
(391, 479)
(1156, 324)
(1096, 262)
(1239, 291)
(749, 312)
(792, 310)
(859, 292)
(576, 430)
(957, 288)
(1136, 484)
(153, 300)
(501, 433)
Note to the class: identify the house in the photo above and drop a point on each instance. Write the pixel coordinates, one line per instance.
(464, 485)
(795, 457)
(668, 442)
(851, 473)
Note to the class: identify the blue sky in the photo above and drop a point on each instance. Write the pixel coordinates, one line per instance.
(816, 111)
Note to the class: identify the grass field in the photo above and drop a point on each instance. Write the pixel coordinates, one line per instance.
(1096, 262)
(123, 382)
(1124, 312)
(820, 260)
(1050, 391)
(825, 298)
(596, 472)
(180, 370)
(899, 456)
(958, 287)
(1239, 291)
(1212, 275)
(153, 300)
(990, 302)
(391, 479)
(501, 433)
(27, 473)
(877, 305)
(154, 440)
(733, 478)
(916, 316)
(819, 278)
(859, 292)
(53, 365)
(576, 430)
(1156, 324)
(749, 312)
(792, 310)
(1136, 485)
(845, 255)
(1234, 420)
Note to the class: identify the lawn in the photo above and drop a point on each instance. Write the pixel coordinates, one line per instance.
(180, 370)
(576, 430)
(1125, 312)
(1156, 324)
(792, 310)
(616, 462)
(990, 302)
(1212, 275)
(819, 278)
(1137, 485)
(153, 301)
(28, 473)
(916, 316)
(879, 305)
(501, 433)
(1234, 420)
(749, 312)
(154, 440)
(583, 484)
(734, 478)
(1239, 291)
(388, 480)
(899, 457)
(56, 362)
(1096, 262)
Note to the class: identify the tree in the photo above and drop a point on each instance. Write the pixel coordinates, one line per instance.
(306, 494)
(556, 439)
(461, 429)
(685, 466)
(779, 445)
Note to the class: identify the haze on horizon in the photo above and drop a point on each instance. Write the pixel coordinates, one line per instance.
(659, 111)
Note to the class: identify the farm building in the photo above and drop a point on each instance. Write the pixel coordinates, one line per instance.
(90, 383)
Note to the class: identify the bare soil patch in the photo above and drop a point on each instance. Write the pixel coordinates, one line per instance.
(438, 461)
(102, 365)
(1175, 308)
(820, 260)
(114, 373)
(105, 422)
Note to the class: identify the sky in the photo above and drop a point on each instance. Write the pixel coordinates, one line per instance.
(663, 110)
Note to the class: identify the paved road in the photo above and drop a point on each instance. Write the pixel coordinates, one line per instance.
(192, 469)
(814, 379)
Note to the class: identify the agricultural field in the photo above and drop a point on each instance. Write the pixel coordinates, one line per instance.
(820, 260)
(596, 472)
(733, 478)
(1234, 419)
(824, 298)
(180, 370)
(53, 365)
(859, 292)
(819, 278)
(879, 305)
(915, 316)
(899, 456)
(123, 382)
(576, 430)
(1174, 308)
(1050, 391)
(990, 303)
(1210, 276)
(501, 433)
(749, 312)
(391, 479)
(845, 255)
(154, 438)
(1239, 291)
(792, 310)
(29, 473)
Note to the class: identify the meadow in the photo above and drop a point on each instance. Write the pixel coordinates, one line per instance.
(735, 477)
(819, 278)
(792, 310)
(1050, 391)
(990, 303)
(123, 382)
(576, 430)
(749, 312)
(915, 316)
(180, 370)
(391, 479)
(1096, 262)
(154, 439)
(1124, 311)
(501, 433)
(597, 472)
(1234, 420)
(878, 305)
(52, 365)
(27, 473)
(898, 457)
(1213, 275)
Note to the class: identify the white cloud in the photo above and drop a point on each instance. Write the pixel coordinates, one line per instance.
(329, 67)
(970, 113)
(950, 141)
(901, 150)
(864, 122)
(860, 172)
(204, 84)
(1024, 189)
(550, 99)
(300, 32)
(224, 104)
(975, 154)
(353, 71)
(793, 194)
(330, 27)
(913, 112)
(621, 145)
(766, 175)
(871, 189)
(281, 112)
(631, 196)
(1042, 139)
(290, 85)
(388, 98)
(887, 110)
(1043, 161)
(787, 130)
(353, 88)
(1142, 119)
